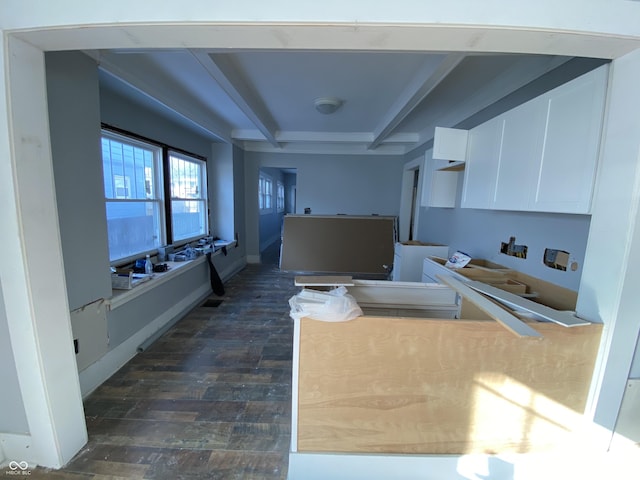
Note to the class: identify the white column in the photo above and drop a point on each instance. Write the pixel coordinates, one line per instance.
(31, 272)
(611, 278)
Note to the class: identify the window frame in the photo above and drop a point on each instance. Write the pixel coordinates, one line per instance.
(280, 196)
(164, 185)
(202, 198)
(265, 193)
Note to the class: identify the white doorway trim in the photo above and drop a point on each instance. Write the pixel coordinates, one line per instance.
(409, 200)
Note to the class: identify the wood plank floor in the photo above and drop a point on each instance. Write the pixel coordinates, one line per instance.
(209, 399)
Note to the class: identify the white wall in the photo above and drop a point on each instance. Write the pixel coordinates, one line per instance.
(12, 415)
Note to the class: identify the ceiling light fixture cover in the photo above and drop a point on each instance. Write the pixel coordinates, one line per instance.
(327, 105)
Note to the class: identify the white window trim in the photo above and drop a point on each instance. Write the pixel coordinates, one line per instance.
(158, 197)
(279, 207)
(203, 197)
(266, 178)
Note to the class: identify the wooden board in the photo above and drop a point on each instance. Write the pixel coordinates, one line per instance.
(323, 280)
(338, 244)
(383, 293)
(421, 386)
(499, 314)
(538, 310)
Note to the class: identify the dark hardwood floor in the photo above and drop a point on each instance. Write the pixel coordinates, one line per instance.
(210, 399)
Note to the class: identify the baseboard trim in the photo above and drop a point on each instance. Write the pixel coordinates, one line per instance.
(253, 259)
(97, 373)
(232, 269)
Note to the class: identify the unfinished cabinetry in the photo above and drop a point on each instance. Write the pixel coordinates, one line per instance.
(439, 187)
(408, 257)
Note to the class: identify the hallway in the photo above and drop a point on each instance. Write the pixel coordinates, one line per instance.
(210, 399)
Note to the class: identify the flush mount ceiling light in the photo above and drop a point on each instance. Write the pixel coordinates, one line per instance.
(327, 105)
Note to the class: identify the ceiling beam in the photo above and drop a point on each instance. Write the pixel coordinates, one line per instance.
(166, 97)
(241, 93)
(428, 77)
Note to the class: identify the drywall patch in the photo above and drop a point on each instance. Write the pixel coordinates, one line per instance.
(513, 250)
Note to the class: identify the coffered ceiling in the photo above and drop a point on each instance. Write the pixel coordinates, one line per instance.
(263, 100)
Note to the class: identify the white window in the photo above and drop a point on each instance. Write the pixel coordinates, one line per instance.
(133, 195)
(265, 193)
(280, 197)
(145, 210)
(188, 197)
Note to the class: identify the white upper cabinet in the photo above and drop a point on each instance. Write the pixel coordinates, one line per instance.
(439, 188)
(541, 156)
(450, 144)
(481, 169)
(567, 169)
(522, 141)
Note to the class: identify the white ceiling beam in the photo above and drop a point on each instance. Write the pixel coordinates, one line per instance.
(168, 98)
(240, 92)
(423, 83)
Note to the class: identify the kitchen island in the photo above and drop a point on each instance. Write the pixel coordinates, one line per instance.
(381, 395)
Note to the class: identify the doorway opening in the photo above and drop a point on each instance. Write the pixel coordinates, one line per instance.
(278, 200)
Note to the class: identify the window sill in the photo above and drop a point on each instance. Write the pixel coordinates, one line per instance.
(120, 297)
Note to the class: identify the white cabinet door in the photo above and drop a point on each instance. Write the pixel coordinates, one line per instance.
(450, 144)
(408, 259)
(439, 188)
(567, 169)
(522, 142)
(481, 167)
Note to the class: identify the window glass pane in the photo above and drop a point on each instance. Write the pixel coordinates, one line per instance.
(133, 228)
(188, 219)
(188, 197)
(128, 170)
(132, 177)
(186, 178)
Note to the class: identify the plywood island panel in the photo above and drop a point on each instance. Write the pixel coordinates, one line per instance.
(432, 386)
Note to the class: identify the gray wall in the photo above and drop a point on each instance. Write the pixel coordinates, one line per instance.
(74, 119)
(134, 315)
(226, 198)
(121, 112)
(328, 184)
(331, 184)
(479, 233)
(76, 108)
(13, 418)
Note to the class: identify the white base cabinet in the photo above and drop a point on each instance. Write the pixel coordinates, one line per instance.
(407, 262)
